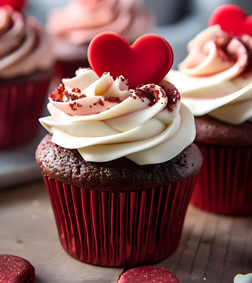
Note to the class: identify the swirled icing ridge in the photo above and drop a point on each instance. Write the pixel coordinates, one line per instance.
(105, 120)
(24, 44)
(216, 77)
(86, 19)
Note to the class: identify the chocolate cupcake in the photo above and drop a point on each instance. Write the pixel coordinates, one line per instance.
(119, 167)
(26, 65)
(215, 83)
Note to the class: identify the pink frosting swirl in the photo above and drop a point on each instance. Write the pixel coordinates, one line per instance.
(216, 77)
(217, 53)
(81, 20)
(25, 47)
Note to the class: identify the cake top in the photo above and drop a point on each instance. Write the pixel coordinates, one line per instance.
(216, 76)
(25, 46)
(80, 21)
(67, 166)
(110, 112)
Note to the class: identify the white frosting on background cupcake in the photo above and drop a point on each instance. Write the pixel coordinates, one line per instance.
(216, 76)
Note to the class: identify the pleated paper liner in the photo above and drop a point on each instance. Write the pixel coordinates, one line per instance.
(21, 105)
(117, 229)
(224, 185)
(67, 69)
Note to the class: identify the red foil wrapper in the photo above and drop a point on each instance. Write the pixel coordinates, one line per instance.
(224, 184)
(118, 229)
(67, 69)
(21, 105)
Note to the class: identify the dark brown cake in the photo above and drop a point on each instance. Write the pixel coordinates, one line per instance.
(212, 131)
(67, 166)
(118, 213)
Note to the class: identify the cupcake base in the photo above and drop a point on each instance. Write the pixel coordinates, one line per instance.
(120, 228)
(224, 185)
(21, 105)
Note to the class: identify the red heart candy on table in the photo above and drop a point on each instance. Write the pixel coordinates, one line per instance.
(148, 60)
(232, 19)
(15, 269)
(15, 4)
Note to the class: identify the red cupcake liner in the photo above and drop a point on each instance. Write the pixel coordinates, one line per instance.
(21, 105)
(117, 229)
(224, 185)
(67, 69)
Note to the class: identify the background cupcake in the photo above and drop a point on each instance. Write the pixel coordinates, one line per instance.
(25, 71)
(119, 167)
(75, 25)
(215, 82)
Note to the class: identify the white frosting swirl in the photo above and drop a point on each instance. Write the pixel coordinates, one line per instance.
(105, 120)
(216, 76)
(25, 47)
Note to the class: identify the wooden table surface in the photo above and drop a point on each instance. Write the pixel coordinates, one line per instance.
(212, 249)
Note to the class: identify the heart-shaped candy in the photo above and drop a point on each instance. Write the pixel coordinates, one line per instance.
(15, 4)
(15, 269)
(148, 60)
(231, 19)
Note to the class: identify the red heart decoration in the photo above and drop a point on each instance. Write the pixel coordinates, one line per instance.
(15, 4)
(232, 19)
(148, 60)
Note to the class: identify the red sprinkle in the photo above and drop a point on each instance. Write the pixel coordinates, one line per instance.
(173, 97)
(76, 90)
(99, 101)
(60, 94)
(112, 99)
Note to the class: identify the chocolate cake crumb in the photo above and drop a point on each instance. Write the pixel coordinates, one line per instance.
(212, 131)
(67, 166)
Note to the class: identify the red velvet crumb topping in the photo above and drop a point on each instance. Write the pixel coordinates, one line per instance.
(60, 94)
(173, 97)
(112, 99)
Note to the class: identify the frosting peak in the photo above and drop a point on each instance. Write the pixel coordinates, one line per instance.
(87, 18)
(216, 53)
(106, 120)
(216, 76)
(24, 44)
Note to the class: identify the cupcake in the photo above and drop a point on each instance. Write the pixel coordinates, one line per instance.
(25, 72)
(75, 25)
(119, 164)
(215, 82)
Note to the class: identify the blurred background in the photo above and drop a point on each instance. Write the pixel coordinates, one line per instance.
(178, 21)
